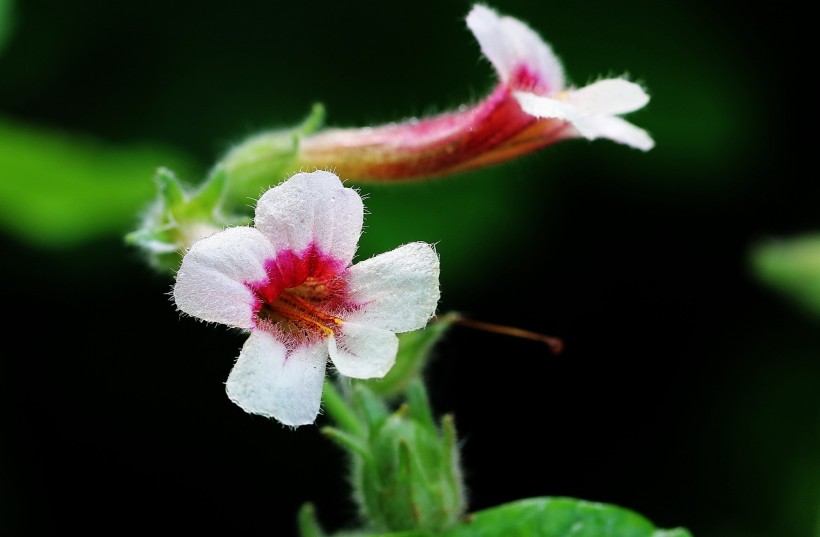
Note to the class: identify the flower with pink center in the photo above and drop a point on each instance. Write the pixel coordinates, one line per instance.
(530, 108)
(290, 282)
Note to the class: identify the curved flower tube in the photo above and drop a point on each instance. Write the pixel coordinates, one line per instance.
(530, 108)
(289, 281)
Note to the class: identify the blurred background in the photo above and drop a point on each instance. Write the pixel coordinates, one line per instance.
(688, 390)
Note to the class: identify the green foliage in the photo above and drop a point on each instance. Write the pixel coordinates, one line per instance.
(59, 189)
(539, 517)
(406, 470)
(792, 267)
(559, 517)
(6, 20)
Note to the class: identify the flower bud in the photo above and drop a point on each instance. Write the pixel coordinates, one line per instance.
(406, 469)
(178, 217)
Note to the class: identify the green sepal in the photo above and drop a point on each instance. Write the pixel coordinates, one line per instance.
(349, 442)
(341, 411)
(178, 217)
(372, 410)
(419, 405)
(455, 493)
(210, 194)
(307, 522)
(169, 187)
(411, 483)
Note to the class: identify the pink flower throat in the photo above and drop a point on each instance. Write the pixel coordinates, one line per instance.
(303, 295)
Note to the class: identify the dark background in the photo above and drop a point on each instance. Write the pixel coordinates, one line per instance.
(688, 390)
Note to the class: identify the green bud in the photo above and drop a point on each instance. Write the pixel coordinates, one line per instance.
(405, 468)
(178, 217)
(265, 159)
(411, 479)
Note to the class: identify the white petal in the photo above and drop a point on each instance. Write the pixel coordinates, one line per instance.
(509, 43)
(547, 108)
(611, 96)
(621, 131)
(399, 289)
(267, 381)
(312, 208)
(363, 352)
(210, 283)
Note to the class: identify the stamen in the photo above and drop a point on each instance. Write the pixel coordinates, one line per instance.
(301, 311)
(556, 345)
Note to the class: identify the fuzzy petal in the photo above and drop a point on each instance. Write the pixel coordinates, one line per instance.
(621, 131)
(267, 381)
(547, 108)
(210, 283)
(610, 96)
(509, 44)
(361, 351)
(398, 290)
(312, 208)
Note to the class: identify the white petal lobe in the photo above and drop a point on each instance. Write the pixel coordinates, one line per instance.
(547, 108)
(610, 96)
(621, 131)
(312, 208)
(267, 381)
(210, 283)
(363, 352)
(398, 290)
(508, 43)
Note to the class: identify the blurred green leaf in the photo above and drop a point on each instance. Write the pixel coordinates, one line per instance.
(553, 517)
(6, 20)
(59, 188)
(792, 267)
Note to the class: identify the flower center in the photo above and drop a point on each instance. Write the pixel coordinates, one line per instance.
(304, 312)
(297, 314)
(301, 296)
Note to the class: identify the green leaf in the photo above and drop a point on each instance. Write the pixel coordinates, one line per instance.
(556, 517)
(58, 189)
(791, 267)
(6, 20)
(551, 517)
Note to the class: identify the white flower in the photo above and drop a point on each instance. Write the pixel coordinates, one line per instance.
(528, 66)
(289, 280)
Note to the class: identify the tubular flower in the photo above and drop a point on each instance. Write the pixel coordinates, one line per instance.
(289, 281)
(529, 109)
